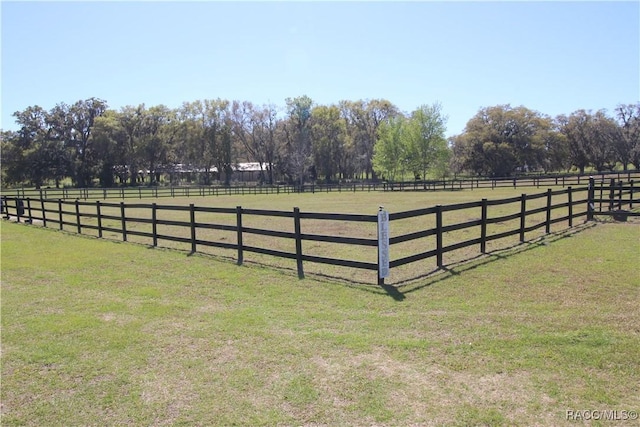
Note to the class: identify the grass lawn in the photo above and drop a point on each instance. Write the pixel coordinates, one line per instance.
(98, 332)
(360, 202)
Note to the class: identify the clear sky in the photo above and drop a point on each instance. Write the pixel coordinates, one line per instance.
(552, 57)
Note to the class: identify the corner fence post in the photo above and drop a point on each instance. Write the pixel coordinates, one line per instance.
(383, 245)
(239, 227)
(590, 197)
(296, 223)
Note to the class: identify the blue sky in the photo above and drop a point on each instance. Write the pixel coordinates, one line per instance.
(553, 57)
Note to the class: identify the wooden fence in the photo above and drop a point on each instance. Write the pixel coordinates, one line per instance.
(193, 226)
(525, 181)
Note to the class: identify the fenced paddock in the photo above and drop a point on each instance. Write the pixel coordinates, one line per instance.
(335, 244)
(453, 184)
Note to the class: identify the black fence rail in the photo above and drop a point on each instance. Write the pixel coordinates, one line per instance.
(616, 199)
(142, 192)
(414, 236)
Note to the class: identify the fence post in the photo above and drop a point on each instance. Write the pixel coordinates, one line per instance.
(570, 205)
(383, 244)
(60, 213)
(483, 228)
(124, 222)
(619, 195)
(78, 217)
(44, 215)
(296, 222)
(192, 220)
(439, 236)
(612, 195)
(154, 224)
(523, 215)
(239, 231)
(29, 210)
(19, 208)
(590, 197)
(98, 214)
(547, 226)
(631, 194)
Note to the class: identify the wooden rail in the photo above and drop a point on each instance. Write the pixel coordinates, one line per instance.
(525, 213)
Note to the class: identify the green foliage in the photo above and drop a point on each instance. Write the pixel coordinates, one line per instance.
(203, 141)
(627, 145)
(502, 140)
(328, 132)
(390, 153)
(426, 143)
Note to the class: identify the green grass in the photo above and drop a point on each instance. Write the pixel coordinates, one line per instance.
(345, 202)
(96, 332)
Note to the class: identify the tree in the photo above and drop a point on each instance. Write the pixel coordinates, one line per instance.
(362, 120)
(207, 131)
(110, 141)
(14, 163)
(296, 131)
(158, 129)
(390, 152)
(590, 138)
(328, 132)
(81, 116)
(426, 142)
(255, 128)
(500, 140)
(59, 135)
(32, 153)
(627, 145)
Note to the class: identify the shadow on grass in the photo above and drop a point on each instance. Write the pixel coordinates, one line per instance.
(399, 290)
(456, 269)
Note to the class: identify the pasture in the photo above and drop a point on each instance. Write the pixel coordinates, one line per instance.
(174, 217)
(99, 332)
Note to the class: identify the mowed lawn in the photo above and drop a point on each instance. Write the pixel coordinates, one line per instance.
(99, 332)
(175, 210)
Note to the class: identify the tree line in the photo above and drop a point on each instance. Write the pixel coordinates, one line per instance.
(303, 141)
